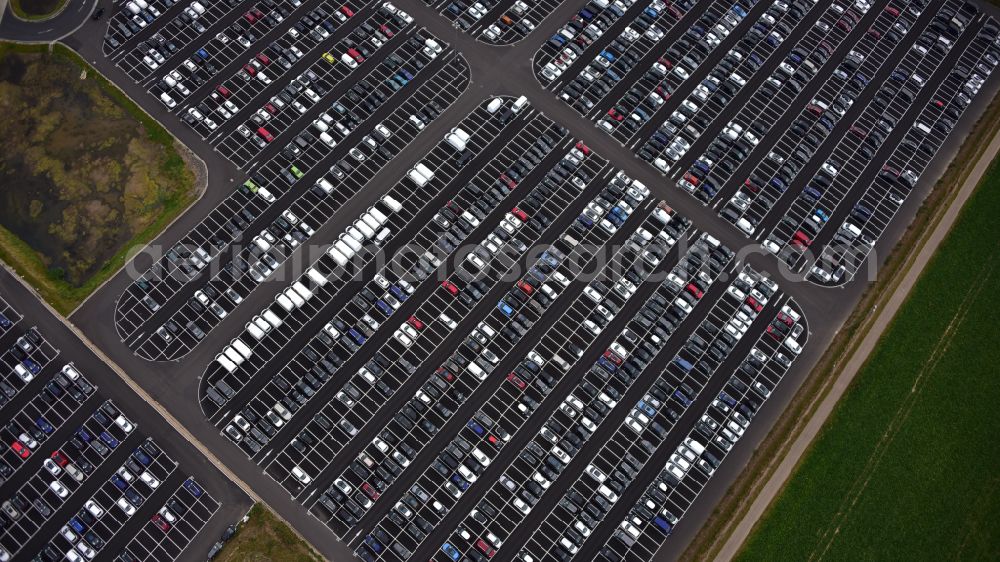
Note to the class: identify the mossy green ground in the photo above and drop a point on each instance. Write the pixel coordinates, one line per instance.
(86, 174)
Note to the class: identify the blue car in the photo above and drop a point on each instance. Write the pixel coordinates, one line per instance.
(77, 525)
(727, 399)
(585, 221)
(505, 308)
(191, 486)
(44, 425)
(373, 544)
(83, 434)
(684, 364)
(398, 293)
(108, 439)
(142, 457)
(608, 365)
(649, 410)
(5, 322)
(682, 398)
(30, 365)
(356, 336)
(119, 482)
(451, 551)
(385, 308)
(474, 426)
(663, 525)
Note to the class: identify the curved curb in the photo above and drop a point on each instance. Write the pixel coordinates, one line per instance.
(40, 19)
(55, 39)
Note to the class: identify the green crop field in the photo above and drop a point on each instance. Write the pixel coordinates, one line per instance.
(907, 468)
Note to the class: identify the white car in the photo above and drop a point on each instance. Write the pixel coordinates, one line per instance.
(94, 509)
(149, 479)
(58, 488)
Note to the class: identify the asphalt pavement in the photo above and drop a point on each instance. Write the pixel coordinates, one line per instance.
(495, 70)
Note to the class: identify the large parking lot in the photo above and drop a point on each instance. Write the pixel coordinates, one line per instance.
(441, 322)
(87, 468)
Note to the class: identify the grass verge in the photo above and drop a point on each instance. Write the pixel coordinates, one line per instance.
(168, 173)
(905, 467)
(265, 538)
(730, 510)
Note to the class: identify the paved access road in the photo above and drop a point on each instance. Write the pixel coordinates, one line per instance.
(509, 71)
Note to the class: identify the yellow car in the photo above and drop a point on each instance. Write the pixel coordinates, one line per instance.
(329, 58)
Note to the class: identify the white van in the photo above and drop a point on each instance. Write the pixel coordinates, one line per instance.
(391, 202)
(494, 105)
(294, 297)
(431, 48)
(457, 138)
(133, 7)
(382, 236)
(301, 289)
(338, 257)
(363, 227)
(258, 328)
(850, 231)
(233, 355)
(316, 277)
(284, 302)
(922, 127)
(519, 104)
(350, 241)
(476, 370)
(344, 249)
(420, 174)
(243, 348)
(325, 185)
(228, 365)
(272, 318)
(378, 215)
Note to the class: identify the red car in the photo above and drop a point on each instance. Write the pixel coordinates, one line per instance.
(492, 439)
(270, 108)
(583, 148)
(160, 522)
(519, 214)
(526, 288)
(691, 178)
(20, 449)
(415, 322)
(485, 548)
(450, 287)
(265, 134)
(613, 357)
(263, 58)
(446, 375)
(615, 115)
(59, 458)
(511, 184)
(802, 238)
(223, 91)
(347, 11)
(694, 290)
(752, 303)
(786, 319)
(370, 490)
(892, 10)
(386, 31)
(250, 17)
(355, 55)
(250, 69)
(516, 381)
